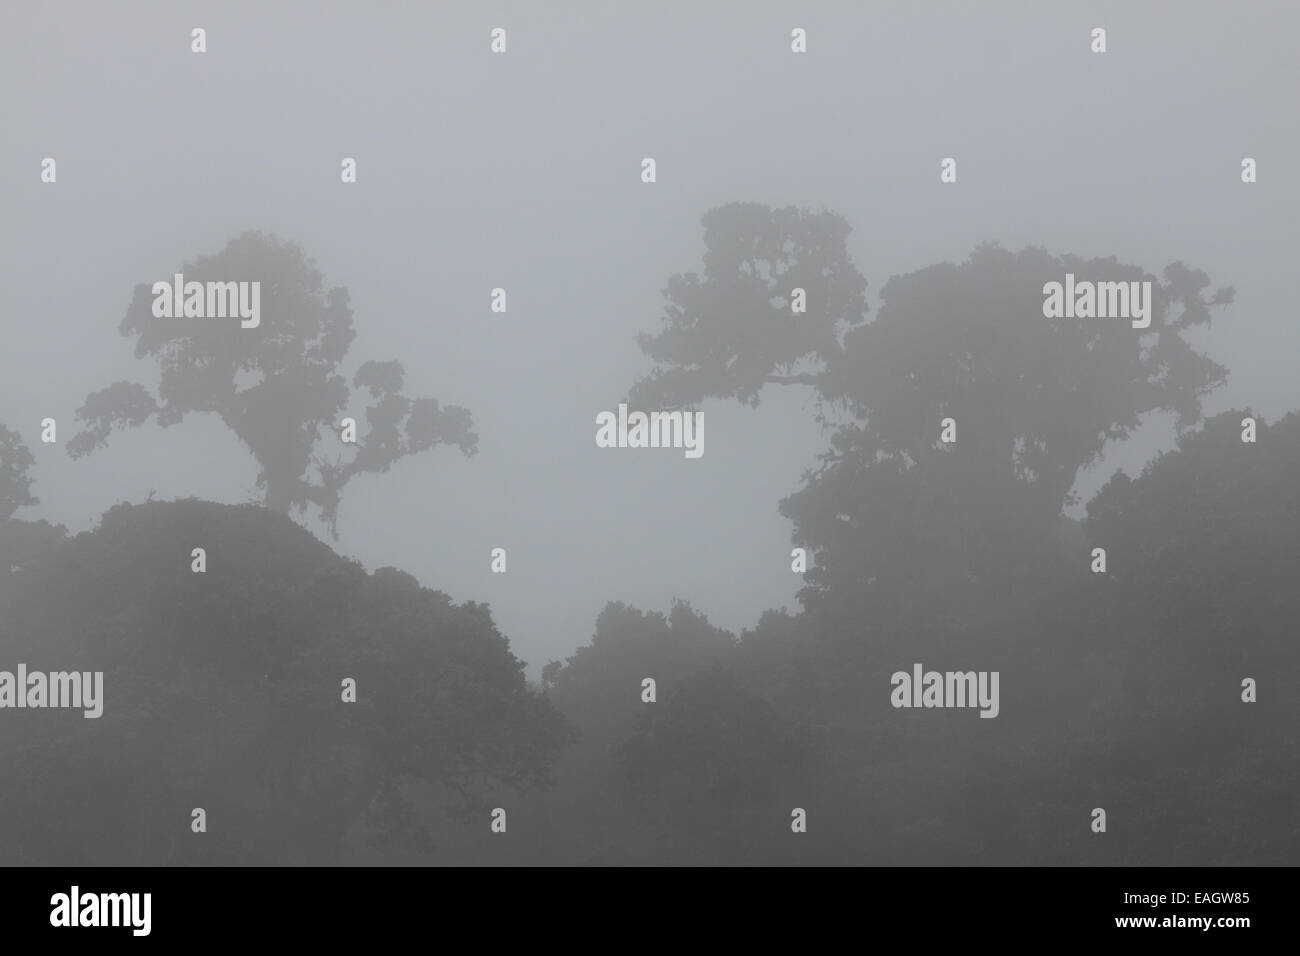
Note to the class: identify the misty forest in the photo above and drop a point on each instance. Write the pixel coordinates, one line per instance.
(225, 684)
(687, 434)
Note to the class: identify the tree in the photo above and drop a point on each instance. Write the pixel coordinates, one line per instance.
(1212, 504)
(708, 770)
(224, 691)
(277, 386)
(15, 483)
(21, 542)
(730, 331)
(599, 686)
(1035, 399)
(1201, 596)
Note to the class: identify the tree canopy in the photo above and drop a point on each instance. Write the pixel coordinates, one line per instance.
(223, 690)
(1034, 399)
(15, 483)
(279, 386)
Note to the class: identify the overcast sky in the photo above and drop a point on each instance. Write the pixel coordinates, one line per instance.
(523, 171)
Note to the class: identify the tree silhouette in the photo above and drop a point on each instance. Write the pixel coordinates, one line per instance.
(1036, 399)
(277, 386)
(21, 542)
(15, 484)
(730, 331)
(231, 689)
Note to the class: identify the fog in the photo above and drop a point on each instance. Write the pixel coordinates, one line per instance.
(523, 171)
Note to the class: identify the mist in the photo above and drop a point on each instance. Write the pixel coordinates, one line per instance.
(523, 171)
